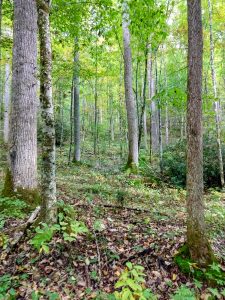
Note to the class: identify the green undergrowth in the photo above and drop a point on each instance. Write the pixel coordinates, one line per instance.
(213, 274)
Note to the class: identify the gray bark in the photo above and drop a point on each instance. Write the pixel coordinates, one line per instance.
(23, 123)
(129, 97)
(167, 124)
(7, 103)
(47, 111)
(76, 105)
(216, 103)
(197, 241)
(154, 140)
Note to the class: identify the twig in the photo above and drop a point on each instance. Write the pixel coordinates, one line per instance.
(19, 233)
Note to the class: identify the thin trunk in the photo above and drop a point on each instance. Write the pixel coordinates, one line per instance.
(1, 84)
(76, 105)
(154, 146)
(167, 124)
(7, 103)
(47, 111)
(197, 240)
(22, 175)
(216, 103)
(71, 123)
(130, 101)
(96, 101)
(143, 108)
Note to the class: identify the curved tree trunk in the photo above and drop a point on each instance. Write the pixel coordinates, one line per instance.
(47, 112)
(22, 176)
(130, 102)
(197, 241)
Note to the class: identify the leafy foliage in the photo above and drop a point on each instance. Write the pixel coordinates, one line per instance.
(68, 226)
(131, 282)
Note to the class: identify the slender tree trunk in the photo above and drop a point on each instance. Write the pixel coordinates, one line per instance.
(76, 105)
(216, 103)
(1, 84)
(22, 175)
(153, 109)
(197, 241)
(143, 108)
(71, 122)
(130, 102)
(49, 209)
(96, 101)
(7, 103)
(167, 124)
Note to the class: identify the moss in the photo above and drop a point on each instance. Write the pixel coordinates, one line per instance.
(30, 196)
(131, 166)
(188, 266)
(8, 185)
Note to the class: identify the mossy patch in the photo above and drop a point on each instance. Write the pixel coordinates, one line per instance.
(30, 196)
(213, 274)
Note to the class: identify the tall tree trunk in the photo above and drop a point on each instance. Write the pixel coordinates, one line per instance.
(96, 100)
(216, 103)
(47, 111)
(22, 175)
(7, 103)
(154, 140)
(143, 108)
(1, 84)
(167, 124)
(76, 104)
(197, 241)
(132, 162)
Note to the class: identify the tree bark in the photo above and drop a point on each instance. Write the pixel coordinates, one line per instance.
(22, 175)
(131, 108)
(76, 104)
(216, 103)
(143, 107)
(49, 210)
(1, 88)
(154, 145)
(197, 241)
(7, 103)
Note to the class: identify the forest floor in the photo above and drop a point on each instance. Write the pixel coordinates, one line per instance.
(129, 218)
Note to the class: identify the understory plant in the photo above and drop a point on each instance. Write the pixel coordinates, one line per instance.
(132, 284)
(67, 225)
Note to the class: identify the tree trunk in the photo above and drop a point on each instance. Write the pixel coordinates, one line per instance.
(1, 85)
(96, 101)
(76, 104)
(167, 124)
(197, 241)
(22, 175)
(131, 108)
(47, 111)
(153, 110)
(216, 103)
(7, 103)
(143, 108)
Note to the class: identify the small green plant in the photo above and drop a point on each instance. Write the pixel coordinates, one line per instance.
(183, 293)
(44, 234)
(132, 284)
(67, 225)
(7, 290)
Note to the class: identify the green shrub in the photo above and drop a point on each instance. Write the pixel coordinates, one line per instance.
(174, 163)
